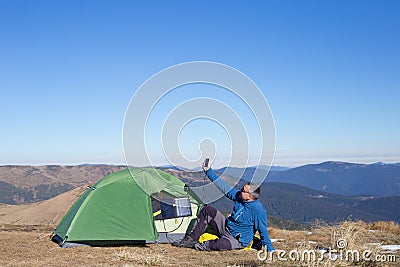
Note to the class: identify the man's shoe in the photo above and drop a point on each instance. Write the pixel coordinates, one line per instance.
(176, 242)
(186, 242)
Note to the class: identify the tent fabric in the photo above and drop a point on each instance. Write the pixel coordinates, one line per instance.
(117, 208)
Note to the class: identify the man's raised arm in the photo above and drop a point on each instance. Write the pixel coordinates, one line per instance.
(229, 191)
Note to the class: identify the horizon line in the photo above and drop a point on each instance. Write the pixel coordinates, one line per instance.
(178, 166)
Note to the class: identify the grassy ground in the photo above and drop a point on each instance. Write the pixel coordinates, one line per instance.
(30, 246)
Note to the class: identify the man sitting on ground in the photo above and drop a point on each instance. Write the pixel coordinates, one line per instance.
(236, 231)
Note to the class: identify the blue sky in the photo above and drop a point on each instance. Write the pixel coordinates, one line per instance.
(329, 70)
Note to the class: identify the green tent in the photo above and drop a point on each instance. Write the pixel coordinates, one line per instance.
(116, 210)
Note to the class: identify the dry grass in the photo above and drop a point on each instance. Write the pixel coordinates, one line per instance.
(390, 227)
(344, 241)
(30, 246)
(22, 246)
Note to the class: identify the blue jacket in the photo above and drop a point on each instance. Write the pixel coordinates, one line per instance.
(246, 217)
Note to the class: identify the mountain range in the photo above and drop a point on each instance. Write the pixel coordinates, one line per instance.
(29, 184)
(330, 191)
(305, 205)
(334, 177)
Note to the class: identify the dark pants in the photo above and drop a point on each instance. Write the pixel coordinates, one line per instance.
(209, 216)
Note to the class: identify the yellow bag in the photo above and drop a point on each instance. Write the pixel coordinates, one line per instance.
(207, 237)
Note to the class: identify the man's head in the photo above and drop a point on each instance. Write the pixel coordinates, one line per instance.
(250, 192)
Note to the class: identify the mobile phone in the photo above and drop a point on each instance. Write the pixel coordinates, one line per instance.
(206, 162)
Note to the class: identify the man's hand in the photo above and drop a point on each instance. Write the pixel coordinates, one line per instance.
(204, 167)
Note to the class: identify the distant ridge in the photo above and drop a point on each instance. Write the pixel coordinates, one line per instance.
(386, 164)
(272, 168)
(305, 205)
(378, 179)
(344, 178)
(48, 212)
(177, 168)
(28, 184)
